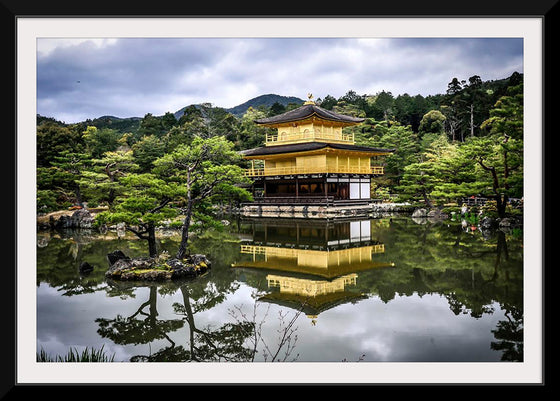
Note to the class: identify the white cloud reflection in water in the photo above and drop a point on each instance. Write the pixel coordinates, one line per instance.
(406, 329)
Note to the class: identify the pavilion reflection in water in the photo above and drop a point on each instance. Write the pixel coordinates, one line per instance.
(312, 265)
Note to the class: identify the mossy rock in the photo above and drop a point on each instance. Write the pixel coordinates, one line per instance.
(153, 269)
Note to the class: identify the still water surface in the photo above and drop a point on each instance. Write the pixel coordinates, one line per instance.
(387, 289)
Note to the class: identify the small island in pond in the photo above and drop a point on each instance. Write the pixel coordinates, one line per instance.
(121, 267)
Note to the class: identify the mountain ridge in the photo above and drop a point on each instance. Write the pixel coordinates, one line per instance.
(266, 100)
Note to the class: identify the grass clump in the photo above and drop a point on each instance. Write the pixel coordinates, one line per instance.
(73, 355)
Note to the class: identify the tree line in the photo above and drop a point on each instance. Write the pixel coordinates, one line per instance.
(468, 141)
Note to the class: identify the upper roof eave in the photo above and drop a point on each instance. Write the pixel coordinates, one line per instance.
(307, 111)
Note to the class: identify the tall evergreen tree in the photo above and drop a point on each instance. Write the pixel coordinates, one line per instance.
(146, 201)
(201, 169)
(103, 177)
(69, 166)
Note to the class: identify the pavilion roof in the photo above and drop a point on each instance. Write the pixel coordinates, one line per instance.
(306, 111)
(309, 146)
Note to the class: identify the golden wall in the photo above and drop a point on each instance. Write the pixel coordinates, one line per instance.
(312, 162)
(317, 163)
(307, 132)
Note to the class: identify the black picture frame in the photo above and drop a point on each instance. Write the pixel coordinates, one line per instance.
(11, 10)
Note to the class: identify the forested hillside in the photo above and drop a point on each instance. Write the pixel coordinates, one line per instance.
(266, 101)
(466, 141)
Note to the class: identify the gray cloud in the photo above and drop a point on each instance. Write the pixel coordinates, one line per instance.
(131, 77)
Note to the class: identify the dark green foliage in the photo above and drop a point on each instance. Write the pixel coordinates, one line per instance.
(188, 114)
(99, 141)
(48, 201)
(54, 139)
(506, 116)
(42, 119)
(147, 150)
(383, 106)
(432, 122)
(151, 125)
(276, 109)
(409, 110)
(327, 103)
(168, 121)
(129, 124)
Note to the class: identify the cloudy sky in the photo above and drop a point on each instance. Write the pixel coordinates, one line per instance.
(129, 77)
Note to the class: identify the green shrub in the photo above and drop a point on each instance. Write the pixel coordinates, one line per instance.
(47, 201)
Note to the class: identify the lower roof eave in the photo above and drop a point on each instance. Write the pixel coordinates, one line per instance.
(264, 151)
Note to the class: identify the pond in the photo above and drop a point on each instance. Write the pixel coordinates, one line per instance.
(390, 289)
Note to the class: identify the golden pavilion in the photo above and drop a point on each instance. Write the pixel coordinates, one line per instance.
(310, 160)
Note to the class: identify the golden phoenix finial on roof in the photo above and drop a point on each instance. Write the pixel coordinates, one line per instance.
(310, 99)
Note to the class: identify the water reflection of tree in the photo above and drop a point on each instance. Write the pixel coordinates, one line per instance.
(59, 260)
(283, 348)
(222, 344)
(474, 272)
(60, 253)
(230, 342)
(132, 330)
(446, 260)
(509, 336)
